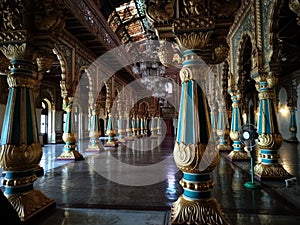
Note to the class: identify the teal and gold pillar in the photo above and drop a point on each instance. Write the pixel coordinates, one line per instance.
(269, 139)
(21, 150)
(129, 134)
(111, 142)
(69, 152)
(223, 144)
(293, 126)
(95, 132)
(153, 127)
(238, 152)
(159, 127)
(194, 154)
(121, 130)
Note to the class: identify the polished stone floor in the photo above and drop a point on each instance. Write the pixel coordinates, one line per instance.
(137, 182)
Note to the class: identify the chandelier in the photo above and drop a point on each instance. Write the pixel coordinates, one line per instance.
(151, 70)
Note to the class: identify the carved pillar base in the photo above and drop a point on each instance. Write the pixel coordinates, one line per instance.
(271, 172)
(223, 145)
(121, 140)
(111, 143)
(70, 155)
(29, 204)
(238, 156)
(293, 139)
(205, 211)
(94, 145)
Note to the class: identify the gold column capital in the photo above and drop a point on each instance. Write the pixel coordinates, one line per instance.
(193, 40)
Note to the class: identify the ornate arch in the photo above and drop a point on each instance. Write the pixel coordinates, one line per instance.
(240, 52)
(272, 52)
(50, 93)
(64, 71)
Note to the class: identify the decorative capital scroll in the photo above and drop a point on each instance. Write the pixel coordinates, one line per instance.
(270, 141)
(19, 158)
(196, 158)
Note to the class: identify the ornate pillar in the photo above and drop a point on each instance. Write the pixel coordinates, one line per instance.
(194, 154)
(128, 128)
(223, 144)
(292, 104)
(293, 125)
(202, 39)
(269, 139)
(153, 127)
(53, 122)
(238, 152)
(21, 150)
(110, 132)
(95, 132)
(158, 126)
(27, 36)
(145, 126)
(111, 142)
(69, 152)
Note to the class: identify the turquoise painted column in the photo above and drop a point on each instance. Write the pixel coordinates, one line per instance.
(129, 135)
(95, 132)
(214, 119)
(153, 127)
(269, 139)
(145, 127)
(69, 153)
(238, 152)
(223, 144)
(138, 126)
(159, 126)
(111, 142)
(293, 125)
(121, 130)
(21, 150)
(142, 127)
(194, 152)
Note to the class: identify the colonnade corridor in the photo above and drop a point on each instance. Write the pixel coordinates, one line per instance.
(107, 187)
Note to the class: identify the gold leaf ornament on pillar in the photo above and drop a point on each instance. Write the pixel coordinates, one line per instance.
(21, 157)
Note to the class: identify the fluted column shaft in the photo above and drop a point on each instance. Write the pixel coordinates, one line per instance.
(222, 133)
(195, 155)
(128, 128)
(269, 140)
(238, 152)
(95, 132)
(111, 142)
(70, 151)
(293, 125)
(153, 127)
(21, 150)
